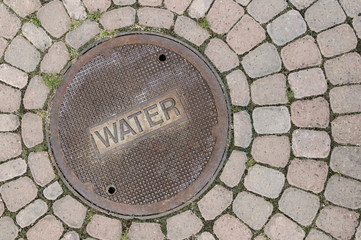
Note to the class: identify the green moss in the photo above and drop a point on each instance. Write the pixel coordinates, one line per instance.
(40, 148)
(74, 24)
(73, 53)
(52, 80)
(203, 22)
(94, 16)
(124, 236)
(251, 162)
(32, 18)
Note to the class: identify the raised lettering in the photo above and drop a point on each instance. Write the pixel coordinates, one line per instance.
(150, 115)
(135, 117)
(167, 109)
(123, 132)
(107, 133)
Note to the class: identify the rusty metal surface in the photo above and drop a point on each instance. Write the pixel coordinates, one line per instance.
(139, 126)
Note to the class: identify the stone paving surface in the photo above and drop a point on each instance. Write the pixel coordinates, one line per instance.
(292, 70)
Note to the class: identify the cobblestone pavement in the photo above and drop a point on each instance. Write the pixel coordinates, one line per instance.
(293, 70)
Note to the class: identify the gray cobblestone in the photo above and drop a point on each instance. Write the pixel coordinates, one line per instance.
(31, 213)
(183, 225)
(53, 191)
(72, 235)
(271, 120)
(346, 99)
(317, 235)
(47, 228)
(346, 129)
(36, 94)
(351, 7)
(32, 130)
(238, 88)
(152, 3)
(9, 23)
(3, 45)
(2, 207)
(75, 8)
(265, 10)
(190, 30)
(36, 35)
(198, 8)
(140, 231)
(155, 17)
(282, 228)
(344, 69)
(70, 211)
(242, 129)
(234, 168)
(56, 58)
(9, 122)
(97, 5)
(104, 228)
(221, 55)
(347, 160)
(23, 7)
(356, 23)
(12, 169)
(8, 230)
(13, 76)
(358, 233)
(177, 6)
(41, 168)
(310, 143)
(10, 146)
(243, 2)
(228, 227)
(124, 2)
(206, 236)
(302, 4)
(81, 35)
(118, 18)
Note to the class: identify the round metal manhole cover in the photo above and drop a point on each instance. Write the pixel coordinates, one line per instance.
(140, 125)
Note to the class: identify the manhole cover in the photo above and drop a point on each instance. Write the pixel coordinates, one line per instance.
(139, 126)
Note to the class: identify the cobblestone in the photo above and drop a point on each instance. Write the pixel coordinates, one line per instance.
(13, 76)
(228, 227)
(8, 230)
(346, 130)
(309, 82)
(18, 193)
(344, 192)
(262, 61)
(346, 99)
(190, 30)
(37, 36)
(183, 225)
(206, 236)
(70, 211)
(221, 55)
(307, 174)
(223, 15)
(301, 206)
(12, 169)
(271, 120)
(140, 231)
(31, 213)
(302, 4)
(317, 235)
(23, 7)
(56, 58)
(71, 236)
(9, 122)
(10, 146)
(36, 94)
(153, 3)
(351, 7)
(301, 53)
(344, 69)
(324, 14)
(47, 228)
(32, 130)
(356, 23)
(269, 90)
(75, 8)
(10, 99)
(41, 168)
(54, 19)
(339, 222)
(118, 18)
(314, 113)
(281, 228)
(198, 8)
(3, 45)
(286, 27)
(252, 210)
(310, 143)
(271, 150)
(347, 160)
(238, 87)
(97, 5)
(177, 6)
(83, 34)
(358, 233)
(9, 23)
(124, 2)
(337, 40)
(265, 10)
(22, 54)
(234, 168)
(104, 228)
(245, 35)
(264, 181)
(155, 17)
(53, 191)
(242, 129)
(215, 202)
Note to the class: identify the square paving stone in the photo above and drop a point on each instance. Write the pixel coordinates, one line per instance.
(271, 120)
(309, 82)
(286, 27)
(140, 231)
(265, 10)
(47, 228)
(10, 146)
(177, 6)
(104, 228)
(32, 129)
(215, 202)
(22, 54)
(339, 222)
(308, 174)
(12, 169)
(9, 122)
(324, 14)
(118, 18)
(301, 53)
(337, 40)
(155, 17)
(97, 5)
(75, 8)
(9, 23)
(41, 168)
(54, 18)
(346, 99)
(23, 7)
(245, 35)
(36, 94)
(10, 99)
(317, 235)
(37, 36)
(190, 30)
(242, 129)
(252, 210)
(18, 193)
(223, 15)
(310, 143)
(262, 61)
(31, 213)
(183, 225)
(271, 150)
(198, 8)
(269, 90)
(346, 129)
(344, 69)
(264, 181)
(13, 76)
(351, 7)
(228, 227)
(56, 58)
(70, 211)
(344, 192)
(347, 160)
(238, 88)
(53, 191)
(221, 55)
(299, 205)
(314, 113)
(82, 34)
(282, 228)
(234, 168)
(8, 230)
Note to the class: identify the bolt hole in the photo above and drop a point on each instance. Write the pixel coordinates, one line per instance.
(111, 190)
(162, 58)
